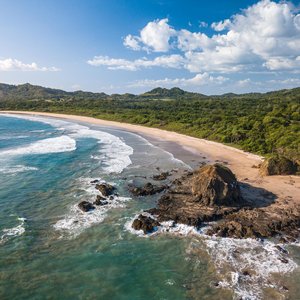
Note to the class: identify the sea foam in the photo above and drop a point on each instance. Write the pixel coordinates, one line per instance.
(52, 145)
(246, 266)
(8, 233)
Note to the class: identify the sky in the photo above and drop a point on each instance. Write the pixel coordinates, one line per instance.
(120, 46)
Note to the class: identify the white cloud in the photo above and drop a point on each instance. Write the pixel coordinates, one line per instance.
(166, 61)
(10, 64)
(198, 80)
(263, 37)
(222, 25)
(282, 63)
(190, 41)
(154, 36)
(132, 42)
(203, 24)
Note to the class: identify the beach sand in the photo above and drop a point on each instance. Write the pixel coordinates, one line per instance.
(285, 188)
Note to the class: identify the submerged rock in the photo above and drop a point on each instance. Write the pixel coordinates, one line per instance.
(86, 206)
(161, 176)
(95, 181)
(100, 201)
(105, 189)
(145, 223)
(146, 190)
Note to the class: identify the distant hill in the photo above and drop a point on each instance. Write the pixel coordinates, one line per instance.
(34, 92)
(170, 93)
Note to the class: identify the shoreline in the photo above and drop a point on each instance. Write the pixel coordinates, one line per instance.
(286, 188)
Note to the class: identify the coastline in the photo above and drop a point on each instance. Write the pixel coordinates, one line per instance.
(286, 188)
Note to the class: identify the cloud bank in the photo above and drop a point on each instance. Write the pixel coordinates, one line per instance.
(263, 37)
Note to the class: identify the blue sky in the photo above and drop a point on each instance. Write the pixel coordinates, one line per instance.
(117, 46)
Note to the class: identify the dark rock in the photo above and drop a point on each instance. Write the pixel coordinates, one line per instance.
(105, 189)
(161, 176)
(86, 206)
(95, 181)
(146, 190)
(145, 223)
(281, 249)
(111, 197)
(100, 201)
(283, 260)
(278, 165)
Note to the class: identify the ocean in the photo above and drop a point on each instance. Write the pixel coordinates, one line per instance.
(49, 249)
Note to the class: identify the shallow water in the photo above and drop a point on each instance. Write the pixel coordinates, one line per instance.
(51, 250)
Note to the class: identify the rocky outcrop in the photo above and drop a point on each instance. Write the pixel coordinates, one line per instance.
(204, 195)
(86, 206)
(146, 190)
(278, 165)
(105, 189)
(145, 223)
(212, 193)
(258, 223)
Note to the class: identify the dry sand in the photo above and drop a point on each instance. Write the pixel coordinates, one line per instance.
(285, 188)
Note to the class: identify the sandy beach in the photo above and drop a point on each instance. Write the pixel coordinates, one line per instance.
(285, 188)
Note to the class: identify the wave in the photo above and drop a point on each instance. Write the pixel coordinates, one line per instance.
(8, 233)
(52, 145)
(16, 169)
(114, 153)
(10, 137)
(246, 266)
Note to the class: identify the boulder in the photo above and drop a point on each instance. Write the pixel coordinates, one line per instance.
(216, 185)
(100, 201)
(86, 206)
(278, 165)
(105, 189)
(145, 223)
(146, 190)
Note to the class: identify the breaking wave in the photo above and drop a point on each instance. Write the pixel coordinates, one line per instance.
(52, 145)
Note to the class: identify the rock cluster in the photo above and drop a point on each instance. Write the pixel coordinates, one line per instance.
(212, 193)
(107, 194)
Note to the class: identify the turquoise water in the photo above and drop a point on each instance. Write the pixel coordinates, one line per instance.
(51, 250)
